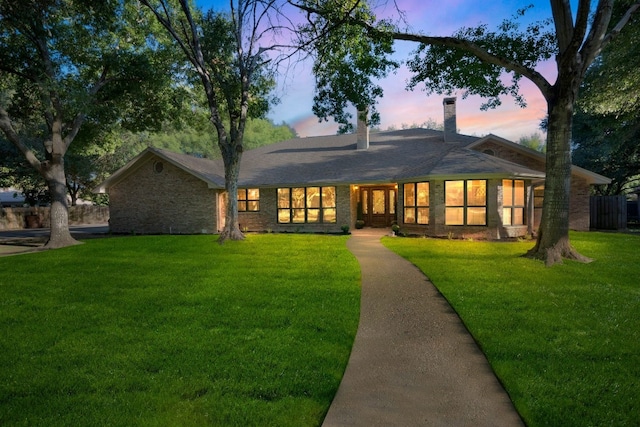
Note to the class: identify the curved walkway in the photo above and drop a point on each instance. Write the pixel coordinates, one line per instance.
(413, 362)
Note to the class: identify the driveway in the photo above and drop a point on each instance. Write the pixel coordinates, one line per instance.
(29, 239)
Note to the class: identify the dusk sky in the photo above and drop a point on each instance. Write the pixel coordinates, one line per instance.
(399, 106)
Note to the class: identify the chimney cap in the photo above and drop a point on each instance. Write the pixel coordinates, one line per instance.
(449, 101)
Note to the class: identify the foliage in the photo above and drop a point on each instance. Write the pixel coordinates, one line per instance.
(534, 142)
(607, 125)
(177, 330)
(347, 61)
(432, 70)
(224, 53)
(612, 84)
(608, 144)
(565, 342)
(69, 70)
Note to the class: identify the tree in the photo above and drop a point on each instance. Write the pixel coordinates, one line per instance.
(346, 62)
(533, 141)
(474, 59)
(606, 126)
(608, 144)
(66, 64)
(224, 52)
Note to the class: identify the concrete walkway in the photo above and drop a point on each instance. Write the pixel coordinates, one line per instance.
(413, 362)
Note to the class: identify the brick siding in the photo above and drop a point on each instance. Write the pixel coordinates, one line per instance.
(171, 201)
(267, 218)
(580, 189)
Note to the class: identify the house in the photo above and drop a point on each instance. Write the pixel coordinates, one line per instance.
(430, 182)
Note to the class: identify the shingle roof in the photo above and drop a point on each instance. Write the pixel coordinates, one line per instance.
(391, 156)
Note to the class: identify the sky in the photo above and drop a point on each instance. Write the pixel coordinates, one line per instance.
(399, 106)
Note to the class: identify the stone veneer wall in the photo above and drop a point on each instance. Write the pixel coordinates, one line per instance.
(169, 202)
(267, 218)
(580, 189)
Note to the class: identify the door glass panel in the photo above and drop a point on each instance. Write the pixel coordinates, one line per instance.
(378, 202)
(392, 202)
(365, 201)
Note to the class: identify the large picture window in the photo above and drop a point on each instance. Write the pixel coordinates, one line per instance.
(416, 203)
(248, 199)
(307, 205)
(512, 202)
(466, 202)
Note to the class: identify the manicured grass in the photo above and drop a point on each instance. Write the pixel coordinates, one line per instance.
(565, 341)
(177, 331)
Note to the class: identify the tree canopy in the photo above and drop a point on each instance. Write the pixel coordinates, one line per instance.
(606, 128)
(69, 70)
(225, 54)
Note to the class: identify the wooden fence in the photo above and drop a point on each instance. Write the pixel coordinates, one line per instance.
(608, 212)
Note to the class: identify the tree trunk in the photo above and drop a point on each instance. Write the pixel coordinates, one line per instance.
(231, 230)
(60, 235)
(553, 236)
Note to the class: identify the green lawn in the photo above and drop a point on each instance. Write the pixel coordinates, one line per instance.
(177, 331)
(565, 341)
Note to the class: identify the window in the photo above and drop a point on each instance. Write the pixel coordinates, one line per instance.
(248, 199)
(307, 205)
(466, 202)
(416, 203)
(512, 202)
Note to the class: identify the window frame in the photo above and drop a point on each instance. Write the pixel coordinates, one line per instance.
(415, 207)
(246, 200)
(513, 206)
(321, 206)
(465, 206)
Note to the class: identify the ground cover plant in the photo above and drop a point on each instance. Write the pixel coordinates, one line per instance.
(177, 330)
(565, 341)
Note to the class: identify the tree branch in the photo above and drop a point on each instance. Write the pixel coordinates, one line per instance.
(561, 11)
(10, 133)
(623, 21)
(470, 47)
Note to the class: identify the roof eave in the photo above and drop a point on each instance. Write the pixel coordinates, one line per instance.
(591, 177)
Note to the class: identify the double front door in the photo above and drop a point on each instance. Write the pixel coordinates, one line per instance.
(378, 204)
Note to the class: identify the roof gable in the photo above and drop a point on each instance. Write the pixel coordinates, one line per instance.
(209, 171)
(591, 177)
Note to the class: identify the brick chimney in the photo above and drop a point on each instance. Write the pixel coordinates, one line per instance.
(450, 125)
(363, 130)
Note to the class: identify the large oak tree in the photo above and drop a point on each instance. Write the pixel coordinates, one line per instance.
(65, 64)
(474, 59)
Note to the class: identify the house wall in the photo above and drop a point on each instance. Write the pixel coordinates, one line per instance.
(169, 202)
(267, 218)
(580, 188)
(437, 227)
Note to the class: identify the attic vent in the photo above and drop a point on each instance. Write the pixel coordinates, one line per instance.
(158, 167)
(489, 152)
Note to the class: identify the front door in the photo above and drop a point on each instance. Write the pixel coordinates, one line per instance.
(378, 205)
